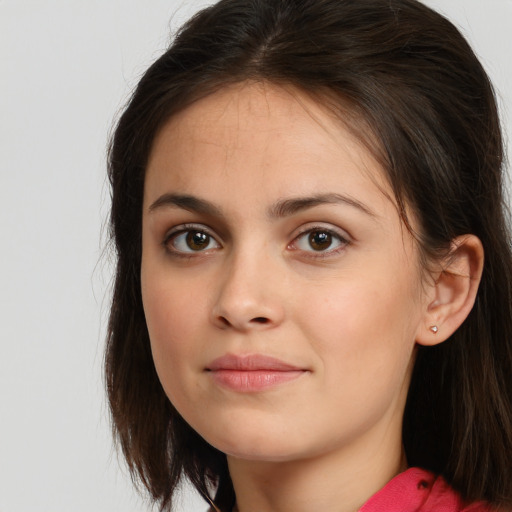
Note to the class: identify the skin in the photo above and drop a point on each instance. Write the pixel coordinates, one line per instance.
(348, 315)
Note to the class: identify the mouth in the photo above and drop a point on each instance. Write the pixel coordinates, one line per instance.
(252, 373)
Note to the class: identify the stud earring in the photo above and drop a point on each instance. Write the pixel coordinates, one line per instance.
(434, 329)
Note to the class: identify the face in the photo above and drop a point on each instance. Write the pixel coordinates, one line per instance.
(282, 293)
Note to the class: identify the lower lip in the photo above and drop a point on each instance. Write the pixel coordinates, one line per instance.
(253, 380)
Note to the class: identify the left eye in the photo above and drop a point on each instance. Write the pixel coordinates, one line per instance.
(191, 241)
(319, 240)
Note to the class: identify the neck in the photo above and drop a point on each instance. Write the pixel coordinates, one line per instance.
(341, 481)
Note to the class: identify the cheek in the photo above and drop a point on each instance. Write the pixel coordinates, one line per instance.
(172, 318)
(364, 325)
(364, 348)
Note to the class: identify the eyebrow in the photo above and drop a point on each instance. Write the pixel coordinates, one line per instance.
(282, 208)
(186, 202)
(287, 207)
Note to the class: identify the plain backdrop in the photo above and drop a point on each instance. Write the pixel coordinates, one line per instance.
(66, 69)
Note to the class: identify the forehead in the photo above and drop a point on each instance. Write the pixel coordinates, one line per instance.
(257, 136)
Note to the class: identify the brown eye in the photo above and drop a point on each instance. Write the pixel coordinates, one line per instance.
(197, 240)
(190, 241)
(320, 240)
(325, 242)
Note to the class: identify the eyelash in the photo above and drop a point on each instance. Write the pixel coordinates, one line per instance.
(342, 239)
(188, 229)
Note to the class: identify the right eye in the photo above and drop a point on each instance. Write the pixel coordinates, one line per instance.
(189, 241)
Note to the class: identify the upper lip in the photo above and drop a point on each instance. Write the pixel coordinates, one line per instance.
(251, 362)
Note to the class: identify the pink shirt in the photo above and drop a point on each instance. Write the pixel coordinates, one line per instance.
(417, 490)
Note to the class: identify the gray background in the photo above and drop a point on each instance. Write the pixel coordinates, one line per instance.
(67, 67)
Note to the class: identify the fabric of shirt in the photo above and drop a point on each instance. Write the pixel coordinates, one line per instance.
(417, 490)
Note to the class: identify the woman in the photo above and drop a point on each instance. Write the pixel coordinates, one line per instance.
(313, 290)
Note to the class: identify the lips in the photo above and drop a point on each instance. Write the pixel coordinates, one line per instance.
(252, 373)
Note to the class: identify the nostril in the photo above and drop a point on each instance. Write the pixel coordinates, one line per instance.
(225, 321)
(240, 322)
(260, 320)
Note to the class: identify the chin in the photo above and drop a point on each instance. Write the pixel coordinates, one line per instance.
(261, 454)
(255, 443)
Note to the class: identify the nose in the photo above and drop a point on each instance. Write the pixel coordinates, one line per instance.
(248, 296)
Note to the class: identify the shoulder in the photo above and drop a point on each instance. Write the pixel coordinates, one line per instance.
(418, 490)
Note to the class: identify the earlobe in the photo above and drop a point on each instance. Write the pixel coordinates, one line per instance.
(453, 291)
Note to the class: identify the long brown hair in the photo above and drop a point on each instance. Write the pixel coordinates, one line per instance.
(412, 89)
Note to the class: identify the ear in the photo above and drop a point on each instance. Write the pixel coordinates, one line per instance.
(452, 293)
